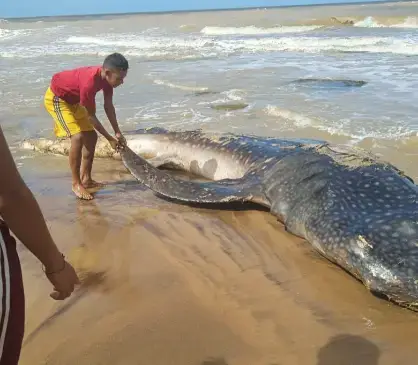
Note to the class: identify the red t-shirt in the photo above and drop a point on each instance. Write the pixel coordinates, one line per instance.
(80, 85)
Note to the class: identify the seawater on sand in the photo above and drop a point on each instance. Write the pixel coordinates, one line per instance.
(164, 283)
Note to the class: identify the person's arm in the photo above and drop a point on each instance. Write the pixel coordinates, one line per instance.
(87, 99)
(110, 110)
(21, 212)
(111, 113)
(96, 123)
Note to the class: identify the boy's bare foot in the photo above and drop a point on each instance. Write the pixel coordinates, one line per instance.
(81, 192)
(88, 184)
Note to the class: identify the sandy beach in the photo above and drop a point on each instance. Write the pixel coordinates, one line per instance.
(169, 284)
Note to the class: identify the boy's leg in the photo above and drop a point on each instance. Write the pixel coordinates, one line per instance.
(70, 123)
(75, 156)
(89, 146)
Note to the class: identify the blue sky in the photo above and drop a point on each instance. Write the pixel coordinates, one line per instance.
(29, 8)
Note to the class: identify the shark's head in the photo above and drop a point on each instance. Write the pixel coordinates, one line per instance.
(387, 256)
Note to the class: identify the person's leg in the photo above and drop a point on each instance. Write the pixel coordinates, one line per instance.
(89, 146)
(75, 156)
(69, 124)
(12, 319)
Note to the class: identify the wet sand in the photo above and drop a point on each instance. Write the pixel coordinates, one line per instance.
(164, 283)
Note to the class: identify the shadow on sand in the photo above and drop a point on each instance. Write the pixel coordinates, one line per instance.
(348, 350)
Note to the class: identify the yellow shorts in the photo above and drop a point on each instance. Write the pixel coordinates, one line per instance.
(69, 119)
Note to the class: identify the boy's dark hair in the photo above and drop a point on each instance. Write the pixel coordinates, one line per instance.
(116, 61)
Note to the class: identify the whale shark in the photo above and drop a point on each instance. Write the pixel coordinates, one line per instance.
(356, 210)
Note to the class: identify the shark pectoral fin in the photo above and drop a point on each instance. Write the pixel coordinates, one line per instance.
(164, 160)
(166, 185)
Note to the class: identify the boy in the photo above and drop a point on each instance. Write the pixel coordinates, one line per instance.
(70, 100)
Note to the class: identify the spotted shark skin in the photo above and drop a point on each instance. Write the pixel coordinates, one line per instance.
(357, 211)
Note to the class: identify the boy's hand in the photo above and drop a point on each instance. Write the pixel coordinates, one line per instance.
(121, 139)
(114, 143)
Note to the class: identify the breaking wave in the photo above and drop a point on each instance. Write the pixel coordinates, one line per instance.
(319, 44)
(252, 30)
(6, 34)
(205, 47)
(368, 22)
(138, 41)
(371, 22)
(143, 45)
(296, 119)
(183, 47)
(211, 41)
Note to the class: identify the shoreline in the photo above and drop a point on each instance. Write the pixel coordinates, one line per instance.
(98, 16)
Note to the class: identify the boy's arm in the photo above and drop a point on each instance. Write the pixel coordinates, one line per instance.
(111, 113)
(87, 99)
(96, 123)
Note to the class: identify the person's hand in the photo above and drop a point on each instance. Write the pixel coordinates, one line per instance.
(63, 279)
(114, 143)
(121, 139)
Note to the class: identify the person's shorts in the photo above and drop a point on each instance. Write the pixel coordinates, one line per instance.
(12, 305)
(69, 119)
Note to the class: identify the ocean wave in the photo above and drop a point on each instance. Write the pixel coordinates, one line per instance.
(198, 47)
(410, 22)
(371, 22)
(252, 30)
(338, 128)
(296, 119)
(233, 100)
(154, 47)
(207, 46)
(318, 44)
(368, 22)
(6, 34)
(181, 87)
(138, 41)
(28, 53)
(189, 27)
(133, 45)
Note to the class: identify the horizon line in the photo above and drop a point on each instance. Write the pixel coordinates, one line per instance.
(72, 16)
